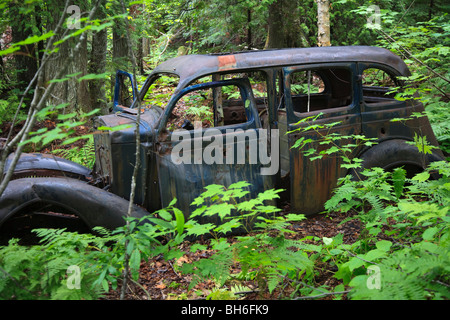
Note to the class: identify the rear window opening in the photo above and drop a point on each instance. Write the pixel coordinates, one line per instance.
(378, 86)
(320, 89)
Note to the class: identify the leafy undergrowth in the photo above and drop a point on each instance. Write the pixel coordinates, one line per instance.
(159, 279)
(384, 222)
(48, 125)
(387, 237)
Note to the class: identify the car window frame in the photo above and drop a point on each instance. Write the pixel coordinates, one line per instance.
(353, 108)
(253, 120)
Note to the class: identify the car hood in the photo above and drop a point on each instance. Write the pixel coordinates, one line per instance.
(149, 118)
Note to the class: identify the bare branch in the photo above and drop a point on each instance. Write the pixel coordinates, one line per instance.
(137, 153)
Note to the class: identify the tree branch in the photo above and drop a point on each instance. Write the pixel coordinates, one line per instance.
(138, 155)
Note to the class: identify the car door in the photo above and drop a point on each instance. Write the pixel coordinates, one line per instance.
(125, 91)
(331, 90)
(379, 105)
(194, 151)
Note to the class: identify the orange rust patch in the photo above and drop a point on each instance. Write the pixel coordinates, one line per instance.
(227, 62)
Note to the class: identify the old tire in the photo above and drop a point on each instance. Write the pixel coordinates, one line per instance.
(397, 153)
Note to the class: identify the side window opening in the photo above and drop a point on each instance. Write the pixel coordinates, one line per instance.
(378, 85)
(232, 105)
(320, 89)
(190, 108)
(217, 106)
(231, 102)
(201, 106)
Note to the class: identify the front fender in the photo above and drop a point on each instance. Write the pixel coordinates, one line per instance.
(38, 164)
(95, 206)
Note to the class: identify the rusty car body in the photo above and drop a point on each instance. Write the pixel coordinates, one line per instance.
(342, 83)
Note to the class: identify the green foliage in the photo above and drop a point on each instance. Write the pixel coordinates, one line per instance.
(402, 251)
(8, 108)
(65, 126)
(266, 257)
(40, 272)
(404, 221)
(198, 108)
(422, 41)
(84, 155)
(405, 234)
(326, 143)
(415, 215)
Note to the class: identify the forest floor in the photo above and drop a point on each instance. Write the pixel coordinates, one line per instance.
(160, 280)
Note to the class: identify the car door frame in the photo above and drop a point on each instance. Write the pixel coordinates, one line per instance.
(312, 182)
(186, 181)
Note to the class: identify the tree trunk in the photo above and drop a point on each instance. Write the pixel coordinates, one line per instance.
(323, 23)
(97, 64)
(71, 91)
(430, 10)
(284, 25)
(275, 34)
(81, 88)
(26, 58)
(120, 47)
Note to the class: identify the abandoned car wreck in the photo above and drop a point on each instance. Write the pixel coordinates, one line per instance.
(253, 103)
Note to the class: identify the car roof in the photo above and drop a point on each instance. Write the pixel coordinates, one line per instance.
(191, 67)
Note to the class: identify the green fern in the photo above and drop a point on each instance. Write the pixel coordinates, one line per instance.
(417, 216)
(84, 155)
(408, 274)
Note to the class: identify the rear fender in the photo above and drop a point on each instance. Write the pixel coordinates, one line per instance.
(95, 206)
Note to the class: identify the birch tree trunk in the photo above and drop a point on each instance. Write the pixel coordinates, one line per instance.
(323, 23)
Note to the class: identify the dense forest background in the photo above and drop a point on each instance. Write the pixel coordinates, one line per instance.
(417, 30)
(57, 66)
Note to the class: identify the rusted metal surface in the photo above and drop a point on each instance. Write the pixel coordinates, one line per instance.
(191, 67)
(310, 183)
